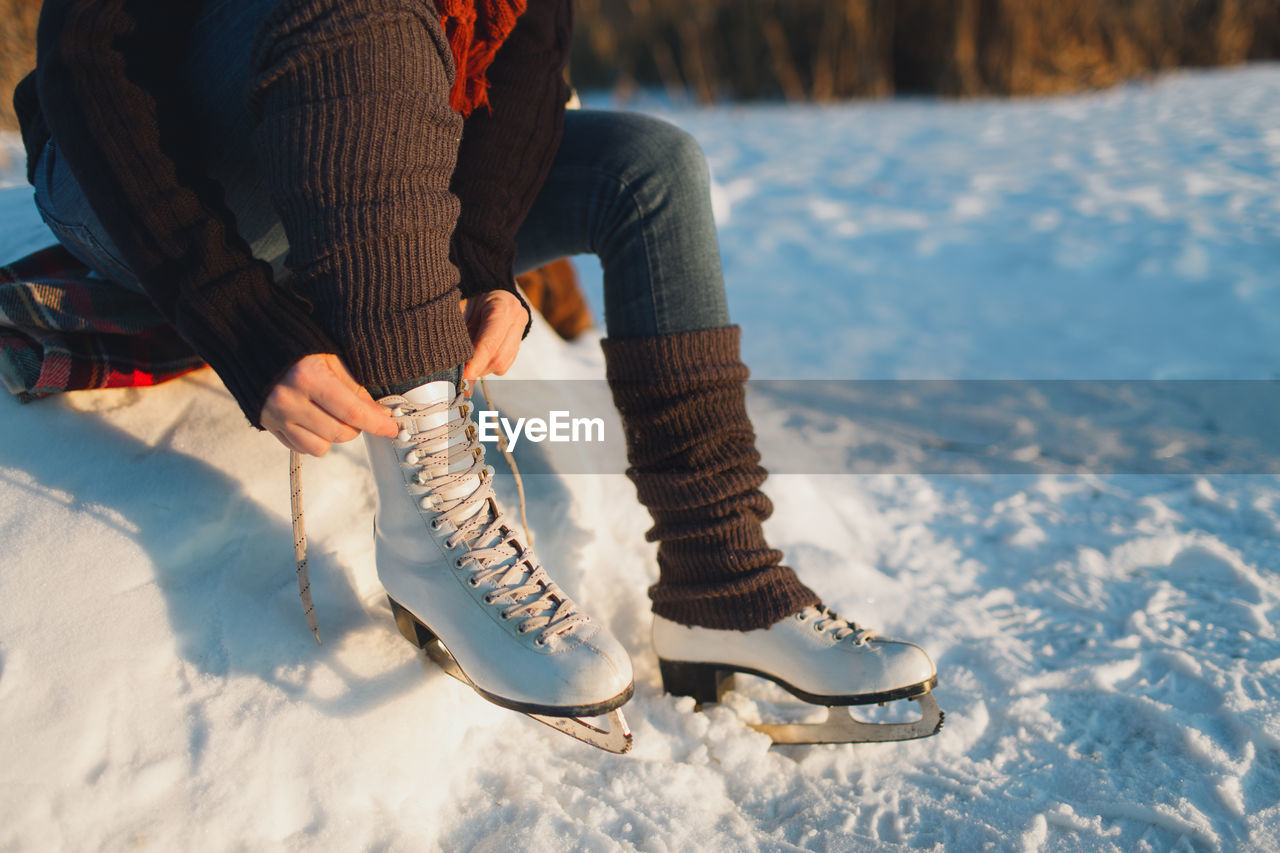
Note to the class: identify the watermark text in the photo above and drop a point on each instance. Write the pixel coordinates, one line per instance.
(558, 428)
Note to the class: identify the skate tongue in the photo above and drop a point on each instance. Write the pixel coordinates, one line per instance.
(435, 393)
(432, 393)
(441, 391)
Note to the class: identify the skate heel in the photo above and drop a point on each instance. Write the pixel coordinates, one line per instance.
(705, 682)
(410, 628)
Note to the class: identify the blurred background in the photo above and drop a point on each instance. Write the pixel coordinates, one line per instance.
(826, 49)
(820, 50)
(17, 51)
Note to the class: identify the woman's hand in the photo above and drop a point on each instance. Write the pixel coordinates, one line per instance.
(318, 403)
(495, 321)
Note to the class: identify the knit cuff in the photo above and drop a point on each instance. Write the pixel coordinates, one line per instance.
(391, 306)
(418, 341)
(705, 354)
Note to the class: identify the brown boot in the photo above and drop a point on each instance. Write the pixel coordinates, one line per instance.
(553, 291)
(695, 465)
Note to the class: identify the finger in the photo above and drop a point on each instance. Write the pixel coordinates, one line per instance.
(481, 360)
(506, 354)
(365, 401)
(364, 395)
(318, 421)
(349, 408)
(280, 406)
(305, 441)
(338, 369)
(280, 437)
(319, 404)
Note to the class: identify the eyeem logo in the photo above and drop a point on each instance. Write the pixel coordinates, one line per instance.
(558, 428)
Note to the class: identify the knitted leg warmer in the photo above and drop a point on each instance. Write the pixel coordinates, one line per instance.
(358, 144)
(695, 465)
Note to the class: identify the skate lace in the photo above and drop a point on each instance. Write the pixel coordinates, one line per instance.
(828, 622)
(496, 552)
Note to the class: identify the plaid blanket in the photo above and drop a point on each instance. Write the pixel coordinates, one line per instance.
(63, 328)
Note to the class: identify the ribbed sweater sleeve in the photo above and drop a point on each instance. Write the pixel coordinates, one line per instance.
(507, 151)
(106, 82)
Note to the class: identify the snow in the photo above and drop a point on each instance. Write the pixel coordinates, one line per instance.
(1106, 640)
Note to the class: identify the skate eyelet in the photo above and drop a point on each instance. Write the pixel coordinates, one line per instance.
(411, 458)
(802, 617)
(541, 641)
(505, 616)
(488, 599)
(473, 582)
(435, 524)
(457, 564)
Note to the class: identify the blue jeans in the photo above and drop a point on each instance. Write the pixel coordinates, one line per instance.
(631, 189)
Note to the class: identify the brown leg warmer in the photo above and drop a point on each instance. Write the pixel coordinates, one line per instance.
(695, 465)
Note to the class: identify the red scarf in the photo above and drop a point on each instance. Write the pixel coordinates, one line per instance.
(476, 29)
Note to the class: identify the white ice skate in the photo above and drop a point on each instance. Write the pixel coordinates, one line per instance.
(467, 588)
(816, 656)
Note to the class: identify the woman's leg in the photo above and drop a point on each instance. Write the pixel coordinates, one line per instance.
(259, 168)
(635, 191)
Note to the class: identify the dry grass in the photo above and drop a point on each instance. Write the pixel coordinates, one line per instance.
(17, 51)
(825, 49)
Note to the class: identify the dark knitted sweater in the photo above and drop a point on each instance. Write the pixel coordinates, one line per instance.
(375, 219)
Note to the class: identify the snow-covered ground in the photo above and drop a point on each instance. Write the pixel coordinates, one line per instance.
(1107, 644)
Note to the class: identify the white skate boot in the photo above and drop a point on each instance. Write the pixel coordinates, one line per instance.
(816, 656)
(467, 588)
